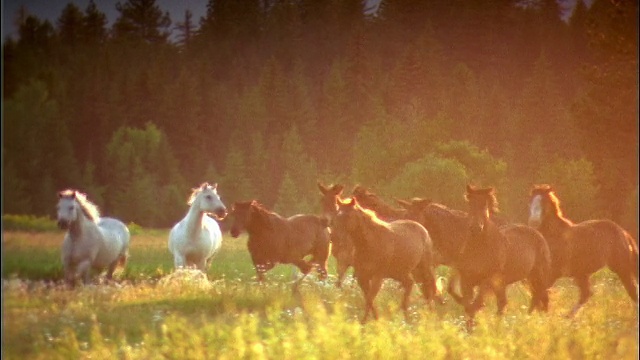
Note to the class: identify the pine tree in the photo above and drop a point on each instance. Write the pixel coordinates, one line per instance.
(141, 21)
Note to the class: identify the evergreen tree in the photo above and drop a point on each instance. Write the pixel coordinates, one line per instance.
(141, 21)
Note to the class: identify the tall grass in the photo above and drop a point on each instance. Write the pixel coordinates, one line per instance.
(153, 312)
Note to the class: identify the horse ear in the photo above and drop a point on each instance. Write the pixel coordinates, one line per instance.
(323, 189)
(338, 189)
(214, 186)
(470, 188)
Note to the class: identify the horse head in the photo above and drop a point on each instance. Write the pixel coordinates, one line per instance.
(481, 201)
(415, 208)
(67, 207)
(241, 214)
(346, 217)
(542, 197)
(330, 195)
(207, 200)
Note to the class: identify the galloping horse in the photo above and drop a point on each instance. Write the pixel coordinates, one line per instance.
(495, 257)
(579, 250)
(91, 241)
(196, 238)
(397, 250)
(274, 239)
(341, 244)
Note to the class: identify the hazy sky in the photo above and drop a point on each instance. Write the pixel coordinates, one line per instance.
(51, 9)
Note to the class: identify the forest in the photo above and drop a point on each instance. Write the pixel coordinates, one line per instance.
(268, 97)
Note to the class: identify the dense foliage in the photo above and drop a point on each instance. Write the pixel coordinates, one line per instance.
(267, 97)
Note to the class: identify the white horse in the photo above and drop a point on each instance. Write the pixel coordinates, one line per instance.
(91, 241)
(197, 237)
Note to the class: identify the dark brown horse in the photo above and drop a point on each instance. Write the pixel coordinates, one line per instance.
(495, 256)
(579, 250)
(399, 250)
(341, 244)
(274, 239)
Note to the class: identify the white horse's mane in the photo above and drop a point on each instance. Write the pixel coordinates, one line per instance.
(197, 191)
(88, 208)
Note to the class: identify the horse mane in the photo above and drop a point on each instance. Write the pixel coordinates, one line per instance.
(368, 213)
(89, 209)
(548, 192)
(198, 190)
(382, 207)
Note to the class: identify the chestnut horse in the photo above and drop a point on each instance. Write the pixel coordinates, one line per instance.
(399, 250)
(495, 256)
(579, 250)
(341, 244)
(274, 239)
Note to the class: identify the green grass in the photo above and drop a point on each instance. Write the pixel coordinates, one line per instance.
(155, 313)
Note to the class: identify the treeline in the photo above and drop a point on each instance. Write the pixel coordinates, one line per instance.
(267, 97)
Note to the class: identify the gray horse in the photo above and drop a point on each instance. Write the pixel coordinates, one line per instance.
(91, 242)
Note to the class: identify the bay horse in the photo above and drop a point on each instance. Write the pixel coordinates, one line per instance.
(274, 239)
(579, 250)
(400, 250)
(91, 241)
(495, 256)
(196, 238)
(341, 244)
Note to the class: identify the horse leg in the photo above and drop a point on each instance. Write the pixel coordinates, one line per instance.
(84, 268)
(501, 299)
(112, 268)
(407, 285)
(342, 271)
(425, 276)
(478, 303)
(374, 287)
(585, 292)
(179, 261)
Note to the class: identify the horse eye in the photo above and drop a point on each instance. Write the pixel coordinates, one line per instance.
(70, 208)
(209, 197)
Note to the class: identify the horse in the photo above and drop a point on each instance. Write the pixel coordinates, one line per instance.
(274, 239)
(399, 250)
(448, 228)
(579, 250)
(495, 256)
(91, 241)
(341, 246)
(195, 239)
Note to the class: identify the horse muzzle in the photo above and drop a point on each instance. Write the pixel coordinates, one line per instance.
(63, 224)
(221, 213)
(234, 232)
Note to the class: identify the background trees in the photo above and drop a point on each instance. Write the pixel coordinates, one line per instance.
(266, 98)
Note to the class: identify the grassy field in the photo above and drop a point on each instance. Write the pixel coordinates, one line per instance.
(152, 312)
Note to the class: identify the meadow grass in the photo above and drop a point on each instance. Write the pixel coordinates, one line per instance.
(152, 312)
